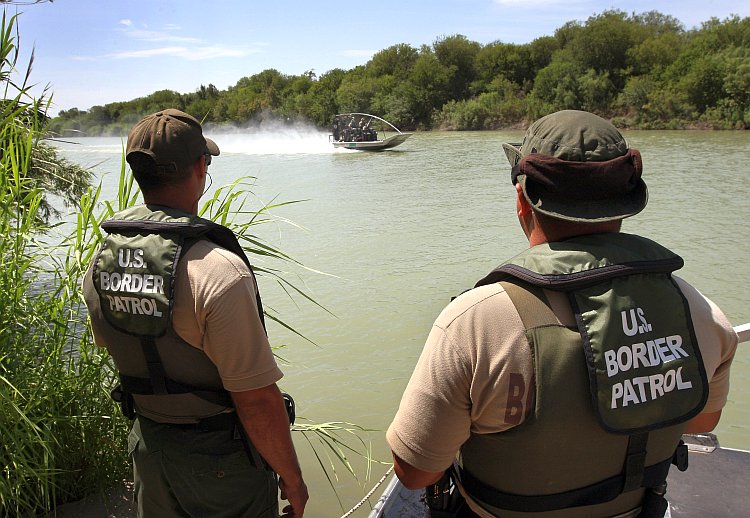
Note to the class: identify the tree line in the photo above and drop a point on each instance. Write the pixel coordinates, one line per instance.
(640, 70)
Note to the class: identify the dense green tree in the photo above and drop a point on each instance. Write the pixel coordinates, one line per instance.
(636, 95)
(596, 91)
(715, 35)
(539, 53)
(457, 55)
(643, 68)
(322, 96)
(603, 44)
(567, 33)
(736, 104)
(355, 92)
(703, 84)
(499, 59)
(396, 60)
(428, 88)
(654, 23)
(654, 54)
(556, 86)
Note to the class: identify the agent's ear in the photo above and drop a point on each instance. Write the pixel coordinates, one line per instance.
(199, 167)
(522, 204)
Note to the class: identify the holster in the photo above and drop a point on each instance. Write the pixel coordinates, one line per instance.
(290, 407)
(127, 405)
(443, 499)
(654, 503)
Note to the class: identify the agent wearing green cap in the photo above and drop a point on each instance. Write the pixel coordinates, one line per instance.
(174, 300)
(565, 379)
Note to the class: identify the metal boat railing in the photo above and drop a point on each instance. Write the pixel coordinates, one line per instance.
(743, 331)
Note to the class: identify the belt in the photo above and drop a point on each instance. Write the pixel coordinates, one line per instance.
(216, 423)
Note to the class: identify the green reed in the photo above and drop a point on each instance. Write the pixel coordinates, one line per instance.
(61, 437)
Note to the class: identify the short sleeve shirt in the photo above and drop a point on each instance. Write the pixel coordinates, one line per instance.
(461, 382)
(216, 310)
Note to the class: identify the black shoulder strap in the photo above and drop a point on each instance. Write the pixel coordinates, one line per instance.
(635, 461)
(154, 365)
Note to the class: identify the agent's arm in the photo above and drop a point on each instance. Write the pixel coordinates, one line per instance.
(703, 422)
(263, 414)
(411, 477)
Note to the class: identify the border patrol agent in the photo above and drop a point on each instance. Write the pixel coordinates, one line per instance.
(565, 379)
(174, 300)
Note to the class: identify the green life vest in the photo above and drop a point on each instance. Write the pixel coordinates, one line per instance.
(612, 396)
(133, 279)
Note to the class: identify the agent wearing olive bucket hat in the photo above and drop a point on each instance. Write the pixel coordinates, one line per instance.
(561, 384)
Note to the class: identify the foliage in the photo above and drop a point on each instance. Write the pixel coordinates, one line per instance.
(61, 436)
(52, 175)
(614, 63)
(55, 175)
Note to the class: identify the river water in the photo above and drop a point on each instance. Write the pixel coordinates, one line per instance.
(388, 238)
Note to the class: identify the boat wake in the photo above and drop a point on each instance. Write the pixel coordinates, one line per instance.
(280, 140)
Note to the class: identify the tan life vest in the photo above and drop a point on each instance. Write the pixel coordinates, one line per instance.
(584, 448)
(130, 295)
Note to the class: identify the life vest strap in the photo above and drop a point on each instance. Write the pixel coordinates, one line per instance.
(154, 365)
(531, 303)
(635, 461)
(143, 387)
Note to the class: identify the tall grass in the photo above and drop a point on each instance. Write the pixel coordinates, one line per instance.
(56, 419)
(62, 436)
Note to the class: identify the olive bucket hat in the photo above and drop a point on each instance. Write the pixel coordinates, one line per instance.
(172, 138)
(574, 165)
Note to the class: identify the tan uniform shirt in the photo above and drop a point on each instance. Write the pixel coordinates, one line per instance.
(460, 383)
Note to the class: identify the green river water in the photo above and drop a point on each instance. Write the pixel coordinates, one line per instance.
(390, 237)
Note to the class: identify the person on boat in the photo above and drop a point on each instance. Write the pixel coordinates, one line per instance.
(562, 383)
(369, 132)
(174, 300)
(336, 129)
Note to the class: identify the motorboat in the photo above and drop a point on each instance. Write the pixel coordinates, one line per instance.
(365, 132)
(714, 484)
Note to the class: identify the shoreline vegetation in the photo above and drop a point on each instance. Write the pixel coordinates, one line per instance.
(641, 71)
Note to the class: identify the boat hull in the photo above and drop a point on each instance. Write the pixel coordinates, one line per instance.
(374, 145)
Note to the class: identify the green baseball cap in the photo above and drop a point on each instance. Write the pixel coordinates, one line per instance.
(576, 166)
(172, 138)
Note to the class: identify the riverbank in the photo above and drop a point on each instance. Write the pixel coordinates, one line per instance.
(621, 121)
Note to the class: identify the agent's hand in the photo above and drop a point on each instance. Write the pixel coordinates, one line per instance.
(296, 495)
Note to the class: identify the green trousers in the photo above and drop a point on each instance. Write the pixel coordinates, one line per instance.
(181, 472)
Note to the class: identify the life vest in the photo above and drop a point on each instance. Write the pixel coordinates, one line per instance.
(132, 296)
(612, 396)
